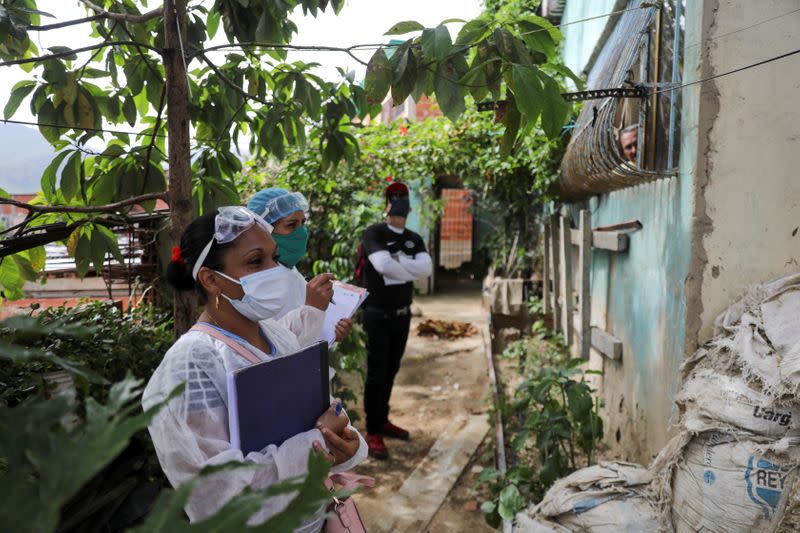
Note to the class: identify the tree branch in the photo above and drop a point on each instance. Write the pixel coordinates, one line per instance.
(64, 24)
(108, 208)
(230, 83)
(276, 46)
(124, 17)
(155, 130)
(78, 51)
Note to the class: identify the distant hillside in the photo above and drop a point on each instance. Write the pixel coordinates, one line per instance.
(24, 154)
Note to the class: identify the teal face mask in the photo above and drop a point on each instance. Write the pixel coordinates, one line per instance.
(291, 247)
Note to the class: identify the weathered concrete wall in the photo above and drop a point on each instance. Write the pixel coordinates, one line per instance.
(640, 296)
(727, 220)
(752, 194)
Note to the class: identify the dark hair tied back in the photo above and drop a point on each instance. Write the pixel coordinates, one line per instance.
(195, 237)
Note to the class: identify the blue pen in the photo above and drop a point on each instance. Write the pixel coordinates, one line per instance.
(338, 408)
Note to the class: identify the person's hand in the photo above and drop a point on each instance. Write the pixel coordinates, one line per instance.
(331, 421)
(341, 449)
(343, 329)
(319, 291)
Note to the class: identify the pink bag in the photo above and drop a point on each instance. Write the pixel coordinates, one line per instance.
(345, 517)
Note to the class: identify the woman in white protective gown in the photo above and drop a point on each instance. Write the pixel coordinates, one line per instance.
(229, 258)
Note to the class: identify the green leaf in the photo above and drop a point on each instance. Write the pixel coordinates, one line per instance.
(404, 67)
(70, 177)
(512, 120)
(63, 49)
(555, 109)
(473, 31)
(378, 77)
(18, 93)
(99, 250)
(527, 91)
(449, 21)
(541, 22)
(83, 254)
(129, 109)
(423, 84)
(48, 181)
(406, 26)
(558, 68)
(449, 93)
(511, 502)
(509, 47)
(63, 458)
(436, 43)
(103, 188)
(537, 38)
(111, 242)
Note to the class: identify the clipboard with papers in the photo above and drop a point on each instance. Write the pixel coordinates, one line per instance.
(272, 401)
(346, 301)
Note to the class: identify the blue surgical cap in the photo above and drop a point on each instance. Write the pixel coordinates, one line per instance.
(275, 203)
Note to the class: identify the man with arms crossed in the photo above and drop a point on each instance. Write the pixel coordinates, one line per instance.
(396, 256)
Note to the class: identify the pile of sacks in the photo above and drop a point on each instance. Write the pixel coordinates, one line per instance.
(733, 466)
(608, 497)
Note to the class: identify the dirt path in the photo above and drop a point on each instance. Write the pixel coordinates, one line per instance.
(438, 382)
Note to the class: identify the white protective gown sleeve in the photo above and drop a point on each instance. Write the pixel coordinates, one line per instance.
(303, 320)
(191, 431)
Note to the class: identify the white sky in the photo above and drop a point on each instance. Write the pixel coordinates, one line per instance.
(361, 21)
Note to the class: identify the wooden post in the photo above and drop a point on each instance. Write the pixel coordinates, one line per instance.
(566, 281)
(180, 177)
(546, 269)
(556, 268)
(584, 289)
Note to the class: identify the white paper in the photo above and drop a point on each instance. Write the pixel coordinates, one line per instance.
(346, 301)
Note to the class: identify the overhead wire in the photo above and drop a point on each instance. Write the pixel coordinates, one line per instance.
(727, 73)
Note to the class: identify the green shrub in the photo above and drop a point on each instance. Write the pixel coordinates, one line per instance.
(551, 421)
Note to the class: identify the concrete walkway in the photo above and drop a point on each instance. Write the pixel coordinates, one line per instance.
(440, 396)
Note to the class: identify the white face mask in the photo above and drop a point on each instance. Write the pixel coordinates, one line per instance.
(264, 293)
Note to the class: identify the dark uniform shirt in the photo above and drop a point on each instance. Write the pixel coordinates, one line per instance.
(379, 237)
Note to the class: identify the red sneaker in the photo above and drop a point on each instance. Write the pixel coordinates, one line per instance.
(376, 446)
(394, 432)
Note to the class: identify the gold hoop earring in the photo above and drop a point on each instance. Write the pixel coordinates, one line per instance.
(216, 301)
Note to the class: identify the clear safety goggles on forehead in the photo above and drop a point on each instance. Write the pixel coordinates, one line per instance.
(230, 222)
(285, 205)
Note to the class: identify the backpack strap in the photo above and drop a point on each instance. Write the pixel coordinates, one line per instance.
(232, 344)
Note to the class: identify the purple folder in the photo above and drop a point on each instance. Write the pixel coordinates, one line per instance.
(271, 401)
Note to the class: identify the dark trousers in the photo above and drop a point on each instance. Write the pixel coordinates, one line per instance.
(387, 334)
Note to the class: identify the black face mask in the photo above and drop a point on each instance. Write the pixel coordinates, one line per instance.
(399, 206)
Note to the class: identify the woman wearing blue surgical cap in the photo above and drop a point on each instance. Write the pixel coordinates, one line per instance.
(286, 212)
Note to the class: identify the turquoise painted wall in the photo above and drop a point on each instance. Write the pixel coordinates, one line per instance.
(639, 295)
(580, 39)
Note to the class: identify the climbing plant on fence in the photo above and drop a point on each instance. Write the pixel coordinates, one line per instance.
(152, 91)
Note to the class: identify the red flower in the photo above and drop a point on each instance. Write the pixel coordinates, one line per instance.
(403, 130)
(389, 179)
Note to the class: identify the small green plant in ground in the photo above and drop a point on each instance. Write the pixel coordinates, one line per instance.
(551, 422)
